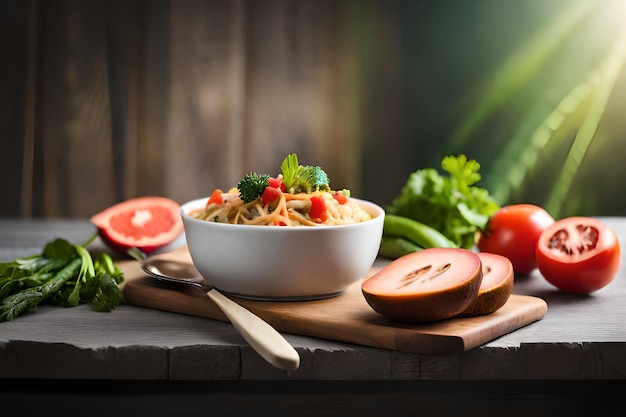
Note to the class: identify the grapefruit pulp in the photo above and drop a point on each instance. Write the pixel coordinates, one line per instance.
(147, 223)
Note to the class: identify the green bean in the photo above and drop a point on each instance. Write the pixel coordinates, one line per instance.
(416, 232)
(394, 247)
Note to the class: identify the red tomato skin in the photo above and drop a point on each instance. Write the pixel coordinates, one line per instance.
(216, 197)
(340, 197)
(318, 209)
(513, 232)
(590, 273)
(277, 183)
(270, 195)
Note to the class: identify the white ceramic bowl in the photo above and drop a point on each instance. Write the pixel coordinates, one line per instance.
(288, 263)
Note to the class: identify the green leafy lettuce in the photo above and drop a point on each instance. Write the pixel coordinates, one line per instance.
(453, 204)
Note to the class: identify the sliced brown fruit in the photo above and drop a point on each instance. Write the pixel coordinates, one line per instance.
(496, 286)
(430, 285)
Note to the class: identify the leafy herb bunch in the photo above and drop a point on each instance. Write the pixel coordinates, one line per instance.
(63, 274)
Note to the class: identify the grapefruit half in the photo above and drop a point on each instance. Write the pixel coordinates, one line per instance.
(147, 223)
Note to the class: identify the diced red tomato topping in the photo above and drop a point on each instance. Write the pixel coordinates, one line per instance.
(270, 195)
(318, 209)
(216, 197)
(277, 183)
(340, 197)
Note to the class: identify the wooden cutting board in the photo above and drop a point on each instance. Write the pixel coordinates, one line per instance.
(345, 318)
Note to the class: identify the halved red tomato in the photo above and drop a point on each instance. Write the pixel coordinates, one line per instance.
(147, 223)
(428, 285)
(578, 254)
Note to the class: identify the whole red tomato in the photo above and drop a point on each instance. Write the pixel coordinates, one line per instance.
(513, 232)
(578, 254)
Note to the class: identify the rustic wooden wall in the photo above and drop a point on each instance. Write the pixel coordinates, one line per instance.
(106, 100)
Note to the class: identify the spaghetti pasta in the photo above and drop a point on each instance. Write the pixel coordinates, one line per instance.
(299, 196)
(287, 210)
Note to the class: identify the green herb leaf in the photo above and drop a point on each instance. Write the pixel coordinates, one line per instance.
(60, 249)
(289, 168)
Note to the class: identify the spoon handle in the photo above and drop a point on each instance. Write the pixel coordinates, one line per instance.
(263, 338)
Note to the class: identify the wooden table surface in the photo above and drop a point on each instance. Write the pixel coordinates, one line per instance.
(581, 338)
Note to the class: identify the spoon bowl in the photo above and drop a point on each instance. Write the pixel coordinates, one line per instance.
(176, 272)
(261, 336)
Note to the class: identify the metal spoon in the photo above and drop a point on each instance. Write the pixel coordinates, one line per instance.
(263, 338)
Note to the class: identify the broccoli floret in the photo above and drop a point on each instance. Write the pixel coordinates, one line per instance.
(303, 179)
(310, 178)
(252, 186)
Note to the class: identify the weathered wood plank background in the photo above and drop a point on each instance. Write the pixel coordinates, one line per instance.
(108, 100)
(104, 100)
